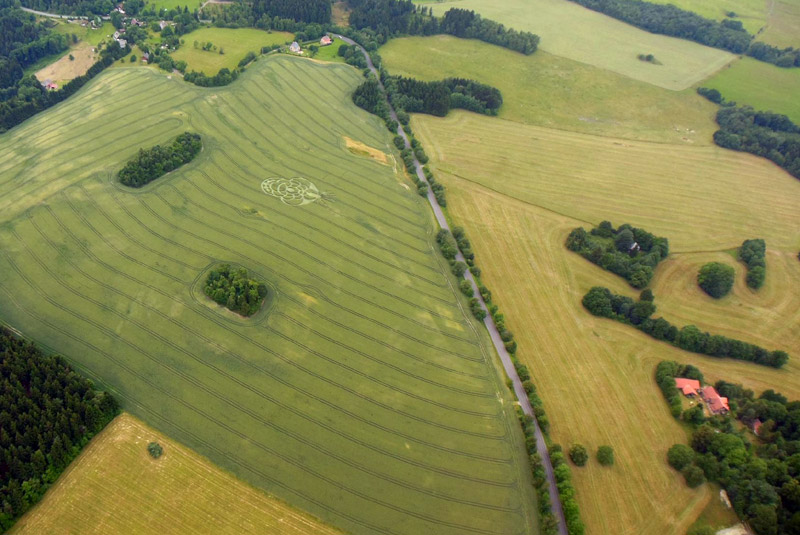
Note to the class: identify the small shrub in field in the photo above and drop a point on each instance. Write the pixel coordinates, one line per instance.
(605, 455)
(155, 450)
(578, 454)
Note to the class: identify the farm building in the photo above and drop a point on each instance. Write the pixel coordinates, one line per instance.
(716, 403)
(294, 47)
(756, 426)
(50, 85)
(325, 41)
(689, 387)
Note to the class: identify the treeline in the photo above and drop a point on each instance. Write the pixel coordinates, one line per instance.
(223, 77)
(782, 57)
(753, 254)
(391, 18)
(601, 302)
(762, 479)
(47, 414)
(667, 19)
(29, 97)
(234, 289)
(298, 10)
(439, 97)
(157, 161)
(771, 135)
(630, 252)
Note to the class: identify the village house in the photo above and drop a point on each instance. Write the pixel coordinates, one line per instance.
(756, 426)
(689, 387)
(325, 41)
(716, 403)
(294, 47)
(145, 57)
(163, 24)
(50, 85)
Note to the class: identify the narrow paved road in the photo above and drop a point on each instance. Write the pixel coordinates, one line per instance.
(541, 445)
(57, 16)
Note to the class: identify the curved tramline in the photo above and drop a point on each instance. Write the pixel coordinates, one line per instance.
(365, 394)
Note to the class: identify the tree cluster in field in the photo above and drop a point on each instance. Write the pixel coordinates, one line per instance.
(666, 372)
(648, 58)
(223, 77)
(548, 525)
(601, 302)
(439, 97)
(28, 97)
(566, 491)
(753, 254)
(155, 450)
(318, 11)
(234, 289)
(149, 164)
(47, 414)
(771, 135)
(782, 57)
(630, 252)
(390, 18)
(716, 279)
(763, 479)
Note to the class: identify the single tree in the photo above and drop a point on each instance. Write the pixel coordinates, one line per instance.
(578, 454)
(155, 450)
(716, 279)
(605, 455)
(679, 456)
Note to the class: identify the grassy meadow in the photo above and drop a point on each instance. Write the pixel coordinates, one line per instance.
(519, 190)
(365, 394)
(235, 42)
(751, 13)
(783, 28)
(331, 52)
(104, 491)
(583, 35)
(547, 90)
(761, 85)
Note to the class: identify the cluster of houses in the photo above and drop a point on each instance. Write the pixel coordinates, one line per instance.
(691, 389)
(295, 48)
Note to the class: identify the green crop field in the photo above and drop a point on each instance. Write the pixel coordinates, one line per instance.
(761, 85)
(519, 190)
(364, 393)
(235, 43)
(577, 33)
(548, 90)
(104, 491)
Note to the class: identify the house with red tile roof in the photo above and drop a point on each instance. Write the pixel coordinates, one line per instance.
(689, 387)
(716, 403)
(756, 426)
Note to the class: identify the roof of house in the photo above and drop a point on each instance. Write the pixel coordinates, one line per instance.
(757, 426)
(716, 403)
(689, 387)
(325, 40)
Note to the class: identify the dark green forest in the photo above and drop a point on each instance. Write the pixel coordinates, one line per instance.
(602, 302)
(761, 477)
(234, 289)
(630, 252)
(157, 161)
(47, 414)
(771, 135)
(298, 10)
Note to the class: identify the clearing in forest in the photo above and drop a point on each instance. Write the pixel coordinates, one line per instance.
(228, 47)
(65, 69)
(760, 85)
(519, 190)
(575, 32)
(106, 488)
(365, 395)
(548, 90)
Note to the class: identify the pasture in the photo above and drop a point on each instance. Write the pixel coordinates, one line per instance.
(760, 85)
(547, 90)
(366, 395)
(783, 28)
(65, 69)
(580, 34)
(751, 13)
(234, 42)
(114, 486)
(519, 190)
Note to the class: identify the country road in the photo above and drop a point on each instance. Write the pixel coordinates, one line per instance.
(57, 16)
(508, 365)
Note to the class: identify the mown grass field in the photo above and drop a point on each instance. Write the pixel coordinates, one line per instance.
(519, 190)
(761, 85)
(364, 395)
(547, 90)
(106, 488)
(330, 52)
(235, 42)
(783, 28)
(751, 13)
(577, 33)
(65, 69)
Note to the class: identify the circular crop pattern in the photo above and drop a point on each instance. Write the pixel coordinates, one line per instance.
(294, 191)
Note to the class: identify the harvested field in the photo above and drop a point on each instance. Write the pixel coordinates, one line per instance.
(580, 34)
(364, 394)
(518, 191)
(555, 92)
(114, 486)
(66, 69)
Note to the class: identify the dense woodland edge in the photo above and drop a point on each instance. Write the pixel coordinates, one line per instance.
(752, 451)
(48, 413)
